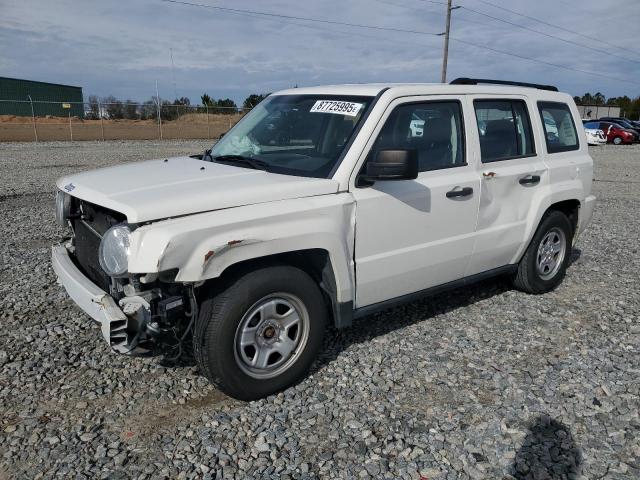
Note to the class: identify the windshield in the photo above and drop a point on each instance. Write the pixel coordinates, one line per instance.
(301, 135)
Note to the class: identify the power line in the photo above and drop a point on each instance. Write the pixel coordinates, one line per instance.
(385, 2)
(307, 19)
(349, 33)
(524, 27)
(413, 9)
(325, 29)
(557, 65)
(539, 32)
(500, 7)
(254, 13)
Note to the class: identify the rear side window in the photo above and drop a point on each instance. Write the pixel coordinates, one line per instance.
(559, 129)
(504, 128)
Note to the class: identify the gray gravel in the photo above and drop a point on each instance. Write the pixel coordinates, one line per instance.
(484, 382)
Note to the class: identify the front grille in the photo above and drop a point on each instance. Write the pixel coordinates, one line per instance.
(89, 225)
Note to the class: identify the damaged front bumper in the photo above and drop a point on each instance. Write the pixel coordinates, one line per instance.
(94, 301)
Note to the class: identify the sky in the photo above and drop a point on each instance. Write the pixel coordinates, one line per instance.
(122, 48)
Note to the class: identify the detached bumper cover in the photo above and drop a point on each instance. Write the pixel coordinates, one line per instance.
(94, 301)
(586, 212)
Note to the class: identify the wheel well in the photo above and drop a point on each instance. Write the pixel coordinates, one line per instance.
(570, 208)
(315, 262)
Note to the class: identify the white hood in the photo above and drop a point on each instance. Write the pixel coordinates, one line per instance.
(182, 185)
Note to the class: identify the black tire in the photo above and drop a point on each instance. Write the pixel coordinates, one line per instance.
(528, 278)
(220, 317)
(617, 140)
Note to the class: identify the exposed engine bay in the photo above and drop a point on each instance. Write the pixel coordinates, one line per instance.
(158, 313)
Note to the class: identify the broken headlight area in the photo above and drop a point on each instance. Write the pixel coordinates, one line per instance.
(113, 252)
(159, 315)
(63, 207)
(153, 313)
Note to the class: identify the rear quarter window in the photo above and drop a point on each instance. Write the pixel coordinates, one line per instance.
(559, 129)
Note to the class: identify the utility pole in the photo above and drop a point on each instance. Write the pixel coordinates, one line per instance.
(158, 110)
(173, 75)
(445, 56)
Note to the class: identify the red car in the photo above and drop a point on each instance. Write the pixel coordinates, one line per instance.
(616, 134)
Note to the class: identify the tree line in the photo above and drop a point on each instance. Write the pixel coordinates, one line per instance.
(227, 104)
(113, 108)
(629, 107)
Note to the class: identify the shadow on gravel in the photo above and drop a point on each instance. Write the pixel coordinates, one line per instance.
(170, 355)
(548, 452)
(372, 326)
(378, 324)
(183, 361)
(576, 253)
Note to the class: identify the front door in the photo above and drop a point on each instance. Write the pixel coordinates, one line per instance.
(415, 234)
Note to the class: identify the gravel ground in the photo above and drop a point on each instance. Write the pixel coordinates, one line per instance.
(484, 382)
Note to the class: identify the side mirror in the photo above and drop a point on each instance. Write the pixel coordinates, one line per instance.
(393, 165)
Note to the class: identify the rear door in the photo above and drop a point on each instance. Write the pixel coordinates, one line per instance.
(511, 168)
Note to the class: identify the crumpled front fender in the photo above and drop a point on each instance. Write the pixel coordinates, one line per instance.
(202, 246)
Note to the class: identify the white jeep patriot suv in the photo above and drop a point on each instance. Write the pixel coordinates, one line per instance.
(323, 205)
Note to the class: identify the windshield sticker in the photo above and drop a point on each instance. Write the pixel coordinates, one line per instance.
(335, 106)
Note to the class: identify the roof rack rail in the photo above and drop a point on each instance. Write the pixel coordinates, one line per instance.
(476, 81)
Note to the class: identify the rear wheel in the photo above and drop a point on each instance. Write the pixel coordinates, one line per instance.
(543, 266)
(261, 333)
(617, 140)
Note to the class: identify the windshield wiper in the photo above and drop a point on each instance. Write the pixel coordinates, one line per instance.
(241, 159)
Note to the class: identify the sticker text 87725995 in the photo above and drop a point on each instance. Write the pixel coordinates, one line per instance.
(336, 106)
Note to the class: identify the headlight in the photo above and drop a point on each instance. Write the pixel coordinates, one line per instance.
(114, 251)
(63, 208)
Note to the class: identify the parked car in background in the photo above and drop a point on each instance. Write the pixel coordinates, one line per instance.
(624, 123)
(416, 126)
(595, 136)
(614, 132)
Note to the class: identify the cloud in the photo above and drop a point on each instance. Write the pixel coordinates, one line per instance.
(118, 48)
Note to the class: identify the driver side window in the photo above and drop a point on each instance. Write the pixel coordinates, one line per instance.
(433, 129)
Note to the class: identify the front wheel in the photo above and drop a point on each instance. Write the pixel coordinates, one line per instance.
(261, 333)
(617, 140)
(543, 266)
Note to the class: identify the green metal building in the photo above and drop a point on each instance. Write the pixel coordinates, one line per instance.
(48, 98)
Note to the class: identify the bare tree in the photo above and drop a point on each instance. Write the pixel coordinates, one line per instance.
(94, 108)
(130, 110)
(148, 110)
(113, 107)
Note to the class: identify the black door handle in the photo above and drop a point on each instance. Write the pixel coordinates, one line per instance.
(463, 192)
(530, 180)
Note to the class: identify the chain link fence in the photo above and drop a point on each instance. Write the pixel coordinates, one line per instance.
(24, 120)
